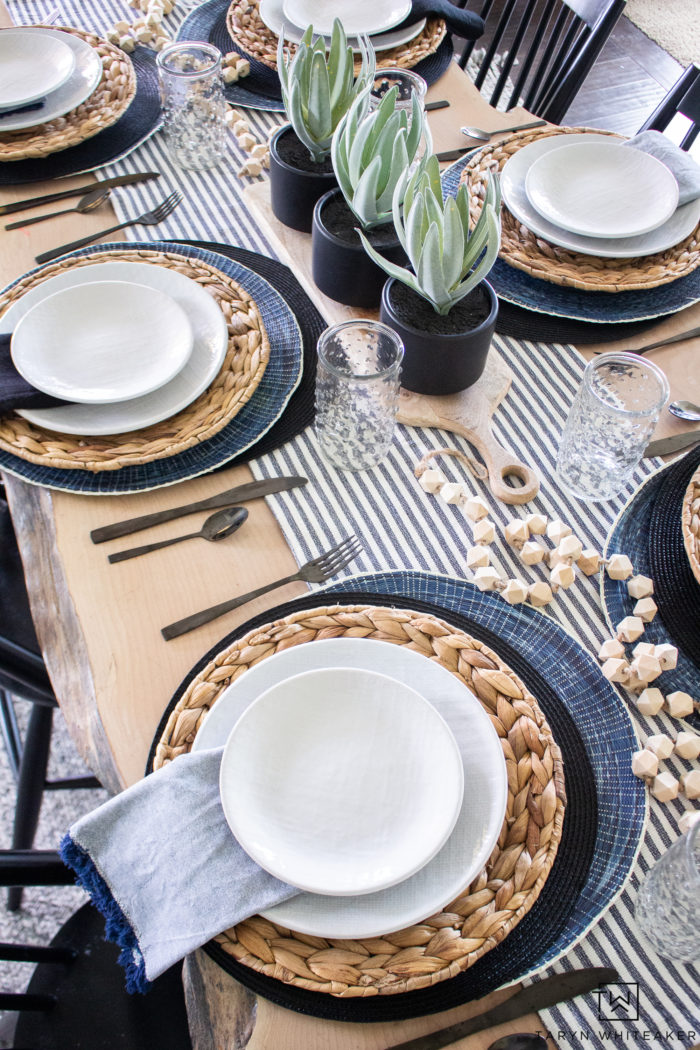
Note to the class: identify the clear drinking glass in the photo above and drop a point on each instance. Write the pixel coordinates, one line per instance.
(668, 904)
(194, 107)
(408, 83)
(357, 391)
(610, 423)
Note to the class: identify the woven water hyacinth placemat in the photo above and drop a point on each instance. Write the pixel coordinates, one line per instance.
(109, 141)
(584, 879)
(110, 99)
(524, 250)
(255, 419)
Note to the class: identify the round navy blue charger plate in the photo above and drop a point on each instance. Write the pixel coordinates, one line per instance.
(279, 381)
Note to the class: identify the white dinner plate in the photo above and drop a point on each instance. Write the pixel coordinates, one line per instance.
(602, 189)
(208, 350)
(341, 781)
(272, 15)
(31, 68)
(80, 84)
(102, 342)
(357, 16)
(679, 226)
(479, 822)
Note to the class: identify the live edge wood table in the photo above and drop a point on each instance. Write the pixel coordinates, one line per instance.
(100, 630)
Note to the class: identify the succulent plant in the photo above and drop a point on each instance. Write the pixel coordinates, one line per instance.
(371, 152)
(318, 87)
(448, 260)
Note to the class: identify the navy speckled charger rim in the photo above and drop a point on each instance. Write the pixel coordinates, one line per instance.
(538, 309)
(260, 90)
(141, 119)
(565, 907)
(266, 406)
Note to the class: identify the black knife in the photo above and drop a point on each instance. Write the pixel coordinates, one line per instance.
(455, 154)
(62, 195)
(251, 490)
(674, 443)
(549, 992)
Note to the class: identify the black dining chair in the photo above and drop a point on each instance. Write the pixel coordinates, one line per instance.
(76, 998)
(683, 99)
(537, 53)
(23, 676)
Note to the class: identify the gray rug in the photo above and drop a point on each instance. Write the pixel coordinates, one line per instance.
(673, 24)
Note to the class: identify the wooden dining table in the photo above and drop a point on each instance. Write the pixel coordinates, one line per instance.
(99, 629)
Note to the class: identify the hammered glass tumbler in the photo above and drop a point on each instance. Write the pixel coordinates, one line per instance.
(611, 420)
(357, 391)
(668, 904)
(194, 106)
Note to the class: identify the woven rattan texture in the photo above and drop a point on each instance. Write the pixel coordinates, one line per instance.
(521, 248)
(448, 943)
(110, 99)
(250, 33)
(691, 524)
(243, 368)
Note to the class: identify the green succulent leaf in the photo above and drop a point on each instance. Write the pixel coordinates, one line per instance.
(453, 240)
(391, 268)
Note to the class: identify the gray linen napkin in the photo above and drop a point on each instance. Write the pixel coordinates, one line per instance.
(685, 169)
(162, 865)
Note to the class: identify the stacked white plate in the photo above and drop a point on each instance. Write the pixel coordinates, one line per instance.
(363, 773)
(596, 196)
(378, 20)
(128, 344)
(43, 64)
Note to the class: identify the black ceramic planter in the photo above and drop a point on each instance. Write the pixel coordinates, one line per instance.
(293, 190)
(437, 362)
(341, 268)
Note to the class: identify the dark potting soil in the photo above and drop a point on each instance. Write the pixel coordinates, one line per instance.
(293, 152)
(339, 220)
(413, 310)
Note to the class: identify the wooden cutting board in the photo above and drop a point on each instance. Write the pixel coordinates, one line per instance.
(467, 413)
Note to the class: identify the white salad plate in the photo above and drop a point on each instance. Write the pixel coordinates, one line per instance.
(80, 84)
(341, 781)
(272, 14)
(102, 342)
(208, 351)
(31, 68)
(602, 189)
(679, 226)
(483, 809)
(357, 16)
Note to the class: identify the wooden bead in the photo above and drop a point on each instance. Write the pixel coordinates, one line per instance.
(645, 764)
(539, 594)
(611, 648)
(679, 704)
(661, 745)
(537, 524)
(616, 670)
(533, 552)
(484, 531)
(629, 629)
(557, 530)
(650, 702)
(230, 75)
(646, 609)
(514, 592)
(640, 587)
(667, 655)
(478, 557)
(241, 127)
(619, 567)
(476, 508)
(687, 745)
(554, 558)
(260, 151)
(570, 547)
(645, 649)
(246, 141)
(688, 820)
(563, 575)
(431, 480)
(589, 562)
(486, 578)
(690, 783)
(144, 35)
(243, 67)
(454, 493)
(665, 787)
(253, 167)
(645, 668)
(127, 44)
(122, 27)
(516, 533)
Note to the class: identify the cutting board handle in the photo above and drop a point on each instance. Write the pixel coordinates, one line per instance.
(500, 463)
